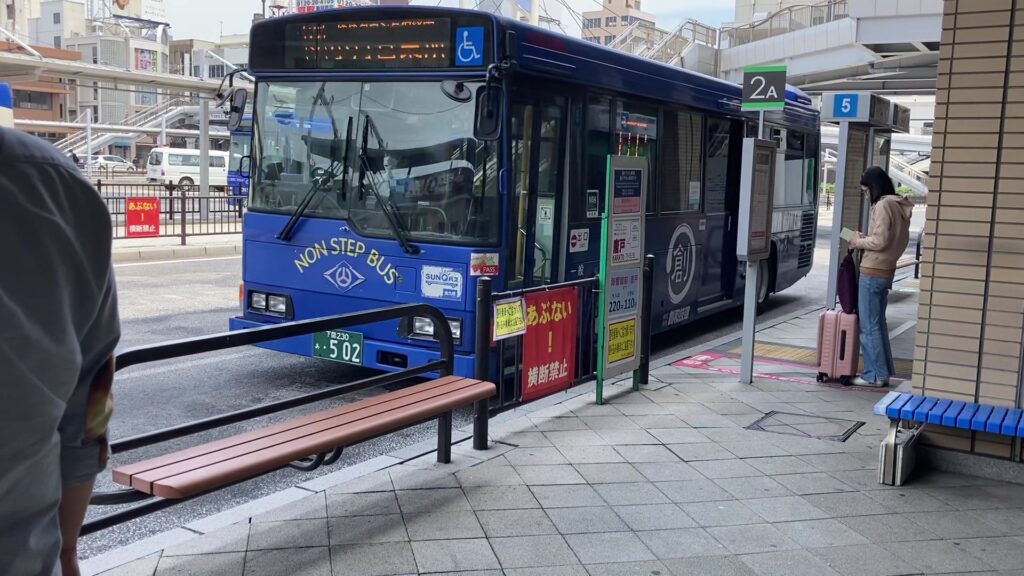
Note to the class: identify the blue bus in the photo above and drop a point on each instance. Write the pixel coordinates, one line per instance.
(402, 153)
(241, 141)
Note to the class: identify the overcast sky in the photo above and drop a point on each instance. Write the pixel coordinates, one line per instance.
(204, 18)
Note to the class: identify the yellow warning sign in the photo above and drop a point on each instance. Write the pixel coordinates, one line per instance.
(509, 318)
(621, 341)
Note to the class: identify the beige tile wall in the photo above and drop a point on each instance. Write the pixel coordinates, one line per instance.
(971, 310)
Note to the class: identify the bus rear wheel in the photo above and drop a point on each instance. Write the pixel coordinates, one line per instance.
(764, 270)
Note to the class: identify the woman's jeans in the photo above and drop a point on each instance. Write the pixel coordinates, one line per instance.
(872, 296)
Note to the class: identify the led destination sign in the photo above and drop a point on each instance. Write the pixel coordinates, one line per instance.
(412, 43)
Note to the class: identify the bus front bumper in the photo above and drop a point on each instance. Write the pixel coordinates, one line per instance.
(373, 350)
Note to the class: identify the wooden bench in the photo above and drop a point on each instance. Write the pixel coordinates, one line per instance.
(901, 408)
(216, 464)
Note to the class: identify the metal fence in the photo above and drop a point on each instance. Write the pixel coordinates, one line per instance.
(785, 21)
(183, 211)
(509, 351)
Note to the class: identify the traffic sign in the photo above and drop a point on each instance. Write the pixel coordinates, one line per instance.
(764, 88)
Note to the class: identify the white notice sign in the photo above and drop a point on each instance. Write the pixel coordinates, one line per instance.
(626, 241)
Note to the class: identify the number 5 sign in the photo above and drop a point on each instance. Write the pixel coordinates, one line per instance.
(764, 88)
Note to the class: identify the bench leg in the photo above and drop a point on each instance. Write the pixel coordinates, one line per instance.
(444, 438)
(480, 425)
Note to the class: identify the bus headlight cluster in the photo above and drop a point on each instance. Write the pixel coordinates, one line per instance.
(271, 304)
(424, 328)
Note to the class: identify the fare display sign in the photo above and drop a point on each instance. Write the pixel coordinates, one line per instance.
(621, 273)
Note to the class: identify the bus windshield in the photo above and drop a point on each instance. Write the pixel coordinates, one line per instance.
(380, 153)
(239, 148)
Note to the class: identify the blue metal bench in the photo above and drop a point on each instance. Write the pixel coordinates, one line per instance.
(1000, 420)
(900, 408)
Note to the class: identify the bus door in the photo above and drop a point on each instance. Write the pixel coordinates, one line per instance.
(723, 154)
(537, 174)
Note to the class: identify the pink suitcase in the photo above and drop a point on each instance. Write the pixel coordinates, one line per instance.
(838, 346)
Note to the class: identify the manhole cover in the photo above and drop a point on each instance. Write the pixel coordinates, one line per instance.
(806, 425)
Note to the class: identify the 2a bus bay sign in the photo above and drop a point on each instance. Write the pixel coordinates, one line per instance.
(764, 88)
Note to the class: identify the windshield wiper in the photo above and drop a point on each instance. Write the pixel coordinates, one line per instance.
(387, 206)
(332, 171)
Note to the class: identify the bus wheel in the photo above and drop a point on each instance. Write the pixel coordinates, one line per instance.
(763, 282)
(186, 184)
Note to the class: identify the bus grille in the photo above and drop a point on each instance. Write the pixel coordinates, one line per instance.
(807, 229)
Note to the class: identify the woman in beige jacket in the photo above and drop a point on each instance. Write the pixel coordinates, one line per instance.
(887, 238)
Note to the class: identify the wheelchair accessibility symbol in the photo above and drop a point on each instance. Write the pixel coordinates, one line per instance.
(470, 46)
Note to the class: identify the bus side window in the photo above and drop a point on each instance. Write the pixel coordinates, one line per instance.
(683, 135)
(795, 180)
(597, 146)
(636, 134)
(716, 165)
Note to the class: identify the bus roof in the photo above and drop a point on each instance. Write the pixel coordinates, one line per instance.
(542, 52)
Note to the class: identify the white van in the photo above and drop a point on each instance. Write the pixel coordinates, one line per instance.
(181, 166)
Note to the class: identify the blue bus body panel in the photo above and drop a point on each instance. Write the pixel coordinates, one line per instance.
(327, 269)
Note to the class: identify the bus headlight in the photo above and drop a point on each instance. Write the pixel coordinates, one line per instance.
(258, 301)
(270, 304)
(424, 328)
(277, 304)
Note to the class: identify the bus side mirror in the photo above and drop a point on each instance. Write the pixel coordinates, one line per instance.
(237, 108)
(244, 164)
(488, 112)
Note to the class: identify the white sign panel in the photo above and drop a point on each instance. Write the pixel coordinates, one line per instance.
(441, 282)
(623, 292)
(579, 240)
(626, 241)
(756, 195)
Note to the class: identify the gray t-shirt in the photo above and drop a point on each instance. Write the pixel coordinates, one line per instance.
(58, 328)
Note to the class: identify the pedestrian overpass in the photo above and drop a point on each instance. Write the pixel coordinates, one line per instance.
(880, 46)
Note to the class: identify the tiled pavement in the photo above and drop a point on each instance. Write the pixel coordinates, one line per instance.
(665, 481)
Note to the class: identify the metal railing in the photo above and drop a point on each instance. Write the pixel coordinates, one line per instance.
(443, 365)
(183, 212)
(143, 117)
(785, 21)
(508, 352)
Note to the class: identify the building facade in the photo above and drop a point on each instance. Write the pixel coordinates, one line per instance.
(971, 312)
(58, 19)
(46, 98)
(604, 25)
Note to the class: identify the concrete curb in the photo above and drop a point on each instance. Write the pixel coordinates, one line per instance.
(158, 253)
(508, 420)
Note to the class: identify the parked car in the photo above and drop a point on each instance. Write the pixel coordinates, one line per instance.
(110, 162)
(180, 166)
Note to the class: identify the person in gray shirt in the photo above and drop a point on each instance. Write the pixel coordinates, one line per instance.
(58, 330)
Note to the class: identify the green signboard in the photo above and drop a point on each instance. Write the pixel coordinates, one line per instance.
(621, 269)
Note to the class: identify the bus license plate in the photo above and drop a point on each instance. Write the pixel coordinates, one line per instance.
(339, 345)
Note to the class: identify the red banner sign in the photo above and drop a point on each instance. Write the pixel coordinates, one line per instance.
(549, 345)
(142, 217)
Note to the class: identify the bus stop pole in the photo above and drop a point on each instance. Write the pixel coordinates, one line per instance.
(641, 376)
(837, 216)
(482, 351)
(204, 158)
(749, 322)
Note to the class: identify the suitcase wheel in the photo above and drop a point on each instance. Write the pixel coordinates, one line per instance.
(845, 380)
(821, 376)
